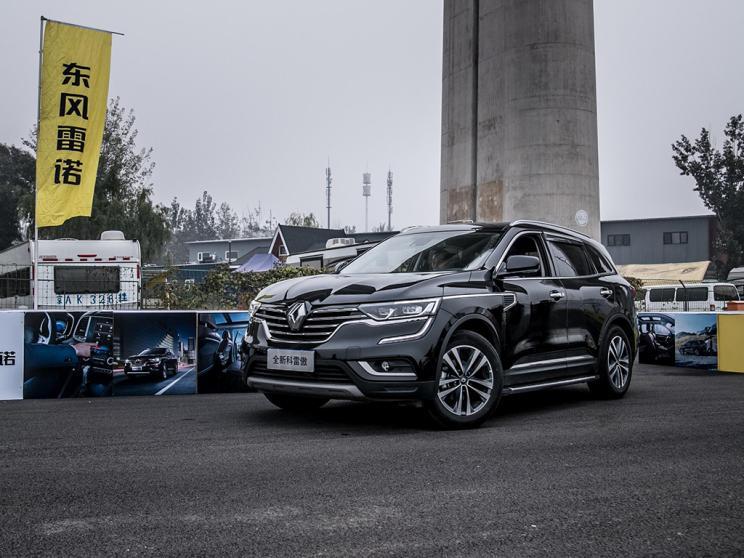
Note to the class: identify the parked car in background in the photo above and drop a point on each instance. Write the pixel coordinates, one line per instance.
(454, 316)
(736, 278)
(700, 297)
(696, 347)
(157, 361)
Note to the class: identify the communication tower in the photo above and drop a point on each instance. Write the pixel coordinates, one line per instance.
(366, 192)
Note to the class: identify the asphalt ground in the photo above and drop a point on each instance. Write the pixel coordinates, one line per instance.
(181, 383)
(554, 473)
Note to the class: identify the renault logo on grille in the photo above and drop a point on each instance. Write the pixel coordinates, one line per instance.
(296, 314)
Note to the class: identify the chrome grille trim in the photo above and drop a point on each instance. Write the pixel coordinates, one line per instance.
(319, 325)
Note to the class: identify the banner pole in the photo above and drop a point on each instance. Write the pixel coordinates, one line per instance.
(35, 251)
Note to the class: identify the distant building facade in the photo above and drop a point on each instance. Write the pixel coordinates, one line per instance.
(660, 240)
(320, 248)
(236, 251)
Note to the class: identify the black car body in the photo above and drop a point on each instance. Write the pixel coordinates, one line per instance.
(156, 361)
(537, 301)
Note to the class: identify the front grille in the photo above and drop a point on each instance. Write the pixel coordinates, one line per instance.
(324, 372)
(318, 326)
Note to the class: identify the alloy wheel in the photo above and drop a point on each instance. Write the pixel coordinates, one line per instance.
(466, 381)
(618, 362)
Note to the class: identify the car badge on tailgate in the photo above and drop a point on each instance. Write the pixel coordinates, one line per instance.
(296, 314)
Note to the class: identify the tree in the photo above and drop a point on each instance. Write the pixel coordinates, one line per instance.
(719, 179)
(301, 220)
(252, 225)
(228, 225)
(123, 194)
(17, 175)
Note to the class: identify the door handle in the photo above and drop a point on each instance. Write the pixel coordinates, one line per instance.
(557, 295)
(605, 292)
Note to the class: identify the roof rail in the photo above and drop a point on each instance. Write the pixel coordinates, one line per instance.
(551, 226)
(461, 222)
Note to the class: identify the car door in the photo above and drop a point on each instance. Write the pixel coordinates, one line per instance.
(589, 301)
(535, 326)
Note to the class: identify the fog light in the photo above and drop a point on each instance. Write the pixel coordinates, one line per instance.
(390, 367)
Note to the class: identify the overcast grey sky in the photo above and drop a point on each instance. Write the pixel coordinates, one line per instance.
(249, 99)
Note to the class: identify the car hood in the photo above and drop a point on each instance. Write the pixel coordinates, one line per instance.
(357, 289)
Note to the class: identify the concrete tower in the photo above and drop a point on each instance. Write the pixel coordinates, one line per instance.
(519, 116)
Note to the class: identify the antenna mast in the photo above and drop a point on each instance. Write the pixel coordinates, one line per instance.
(390, 199)
(328, 192)
(366, 192)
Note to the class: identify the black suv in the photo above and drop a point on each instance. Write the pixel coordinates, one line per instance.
(454, 316)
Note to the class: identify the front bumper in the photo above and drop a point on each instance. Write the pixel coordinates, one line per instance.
(342, 363)
(144, 370)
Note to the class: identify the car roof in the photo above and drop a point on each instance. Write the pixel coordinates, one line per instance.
(689, 285)
(468, 225)
(458, 226)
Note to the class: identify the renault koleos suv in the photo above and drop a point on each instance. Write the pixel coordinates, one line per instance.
(454, 316)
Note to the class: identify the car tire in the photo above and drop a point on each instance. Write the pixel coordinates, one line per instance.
(163, 371)
(469, 381)
(615, 367)
(296, 402)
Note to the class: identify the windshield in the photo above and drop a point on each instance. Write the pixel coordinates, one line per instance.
(148, 352)
(424, 252)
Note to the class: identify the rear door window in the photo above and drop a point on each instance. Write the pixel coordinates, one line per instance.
(570, 259)
(600, 262)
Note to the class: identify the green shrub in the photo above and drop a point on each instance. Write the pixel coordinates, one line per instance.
(221, 289)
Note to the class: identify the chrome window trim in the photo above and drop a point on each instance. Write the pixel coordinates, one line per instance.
(516, 236)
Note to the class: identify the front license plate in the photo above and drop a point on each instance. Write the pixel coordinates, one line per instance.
(286, 359)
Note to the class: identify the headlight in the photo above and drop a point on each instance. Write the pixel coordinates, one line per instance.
(154, 361)
(253, 307)
(126, 361)
(400, 310)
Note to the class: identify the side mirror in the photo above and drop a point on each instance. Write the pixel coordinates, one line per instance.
(519, 266)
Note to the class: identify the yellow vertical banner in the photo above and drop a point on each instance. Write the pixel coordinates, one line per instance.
(73, 96)
(730, 345)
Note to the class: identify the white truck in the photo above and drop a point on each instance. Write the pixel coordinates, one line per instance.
(73, 274)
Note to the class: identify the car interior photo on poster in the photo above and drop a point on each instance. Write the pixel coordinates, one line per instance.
(221, 351)
(68, 354)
